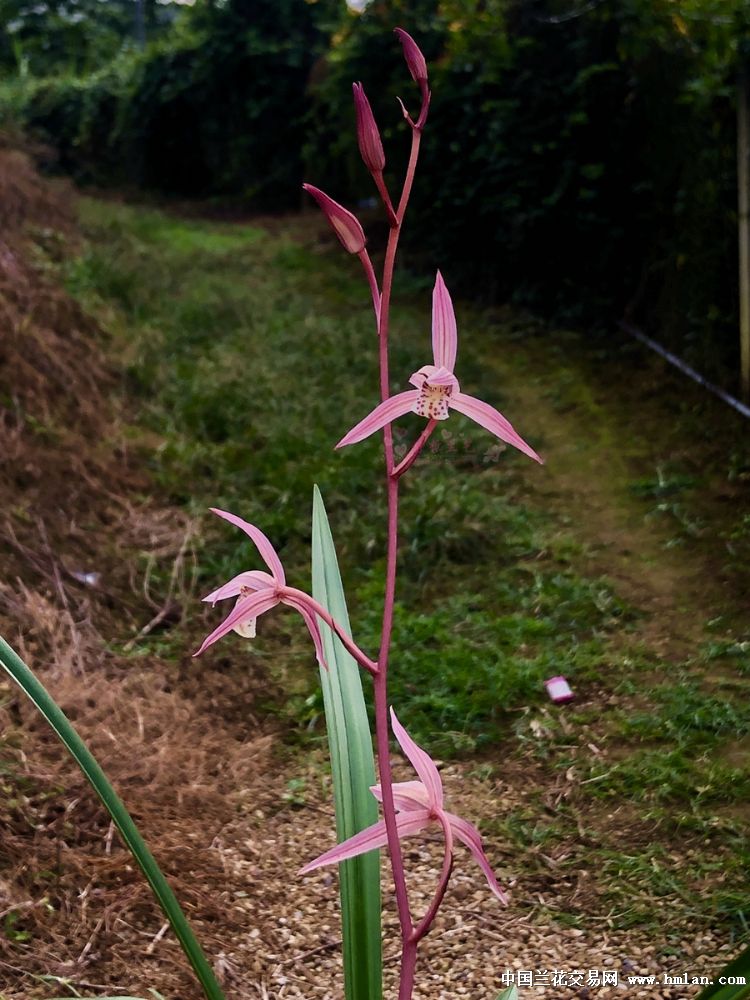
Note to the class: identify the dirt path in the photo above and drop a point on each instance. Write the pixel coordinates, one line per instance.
(588, 479)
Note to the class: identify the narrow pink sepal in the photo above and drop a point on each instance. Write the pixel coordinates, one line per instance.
(422, 763)
(383, 414)
(444, 333)
(492, 420)
(374, 837)
(267, 551)
(252, 579)
(413, 55)
(345, 225)
(469, 835)
(251, 607)
(368, 136)
(312, 627)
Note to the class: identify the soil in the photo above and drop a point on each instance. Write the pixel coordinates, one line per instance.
(206, 776)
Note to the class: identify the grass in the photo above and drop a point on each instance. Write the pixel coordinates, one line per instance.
(249, 356)
(247, 353)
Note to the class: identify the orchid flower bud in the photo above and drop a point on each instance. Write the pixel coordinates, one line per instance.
(368, 136)
(342, 222)
(413, 55)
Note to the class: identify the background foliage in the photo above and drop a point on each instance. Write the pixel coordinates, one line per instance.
(214, 108)
(580, 155)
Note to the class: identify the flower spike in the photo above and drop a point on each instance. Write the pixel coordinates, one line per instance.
(418, 804)
(437, 390)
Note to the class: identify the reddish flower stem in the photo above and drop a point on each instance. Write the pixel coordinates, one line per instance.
(380, 681)
(383, 192)
(409, 460)
(373, 283)
(362, 659)
(425, 923)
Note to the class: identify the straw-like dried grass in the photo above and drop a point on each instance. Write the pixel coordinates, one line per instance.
(79, 538)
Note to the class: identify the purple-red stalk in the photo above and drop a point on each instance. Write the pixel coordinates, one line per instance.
(362, 659)
(380, 681)
(425, 923)
(372, 281)
(410, 458)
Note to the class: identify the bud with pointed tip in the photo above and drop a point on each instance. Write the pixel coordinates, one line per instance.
(413, 55)
(368, 136)
(342, 222)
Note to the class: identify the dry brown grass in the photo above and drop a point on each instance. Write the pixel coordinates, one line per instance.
(80, 537)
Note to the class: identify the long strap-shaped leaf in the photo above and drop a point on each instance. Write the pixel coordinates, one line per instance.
(739, 970)
(51, 711)
(353, 768)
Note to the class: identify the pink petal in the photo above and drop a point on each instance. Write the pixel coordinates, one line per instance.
(380, 416)
(252, 580)
(492, 420)
(264, 546)
(312, 626)
(371, 839)
(421, 762)
(433, 375)
(249, 607)
(469, 835)
(408, 796)
(444, 336)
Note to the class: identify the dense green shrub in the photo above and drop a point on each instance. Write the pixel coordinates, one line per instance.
(580, 156)
(75, 36)
(215, 110)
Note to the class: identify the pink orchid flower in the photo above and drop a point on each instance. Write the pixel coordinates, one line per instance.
(437, 389)
(258, 592)
(418, 804)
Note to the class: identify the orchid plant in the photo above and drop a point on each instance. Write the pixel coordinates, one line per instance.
(408, 807)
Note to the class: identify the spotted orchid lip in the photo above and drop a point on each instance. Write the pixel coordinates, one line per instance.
(433, 401)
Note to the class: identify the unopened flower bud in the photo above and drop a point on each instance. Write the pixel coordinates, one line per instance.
(342, 222)
(368, 136)
(413, 55)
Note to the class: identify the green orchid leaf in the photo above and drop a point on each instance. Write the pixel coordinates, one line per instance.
(353, 767)
(22, 675)
(736, 976)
